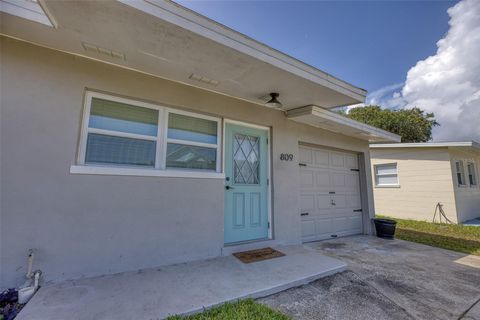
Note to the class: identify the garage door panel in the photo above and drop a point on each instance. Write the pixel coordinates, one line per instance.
(323, 201)
(351, 182)
(322, 180)
(340, 224)
(330, 192)
(321, 158)
(338, 180)
(337, 159)
(350, 225)
(307, 179)
(307, 202)
(354, 201)
(351, 161)
(324, 225)
(306, 155)
(340, 201)
(308, 228)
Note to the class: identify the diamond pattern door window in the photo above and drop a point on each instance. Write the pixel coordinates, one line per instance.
(246, 159)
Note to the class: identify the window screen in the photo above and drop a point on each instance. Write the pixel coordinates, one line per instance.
(460, 173)
(472, 174)
(386, 174)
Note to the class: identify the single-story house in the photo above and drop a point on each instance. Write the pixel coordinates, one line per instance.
(137, 134)
(410, 179)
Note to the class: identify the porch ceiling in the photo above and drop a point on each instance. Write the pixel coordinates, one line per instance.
(328, 120)
(166, 40)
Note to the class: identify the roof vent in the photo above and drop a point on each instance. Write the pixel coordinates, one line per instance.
(103, 51)
(205, 80)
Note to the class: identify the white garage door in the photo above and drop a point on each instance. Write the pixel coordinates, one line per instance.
(330, 202)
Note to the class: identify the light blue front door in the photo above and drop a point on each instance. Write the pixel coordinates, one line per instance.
(246, 184)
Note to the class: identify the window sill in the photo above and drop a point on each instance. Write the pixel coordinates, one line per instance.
(112, 171)
(388, 186)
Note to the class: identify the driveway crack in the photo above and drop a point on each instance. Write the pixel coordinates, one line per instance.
(388, 298)
(468, 309)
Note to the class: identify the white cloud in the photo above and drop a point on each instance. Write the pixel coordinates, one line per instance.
(378, 96)
(447, 83)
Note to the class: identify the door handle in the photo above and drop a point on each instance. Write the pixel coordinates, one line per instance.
(332, 202)
(304, 214)
(228, 187)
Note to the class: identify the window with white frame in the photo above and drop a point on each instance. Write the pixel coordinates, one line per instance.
(126, 133)
(386, 175)
(192, 142)
(460, 171)
(472, 174)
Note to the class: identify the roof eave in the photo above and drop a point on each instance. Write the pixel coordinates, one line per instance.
(194, 22)
(331, 121)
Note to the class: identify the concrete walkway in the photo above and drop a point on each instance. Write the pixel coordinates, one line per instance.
(178, 289)
(387, 279)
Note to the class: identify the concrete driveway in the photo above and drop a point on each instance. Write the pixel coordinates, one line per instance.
(387, 279)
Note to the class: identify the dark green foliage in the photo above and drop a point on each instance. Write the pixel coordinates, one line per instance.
(413, 125)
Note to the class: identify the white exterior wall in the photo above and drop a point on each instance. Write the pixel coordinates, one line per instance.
(425, 179)
(87, 225)
(467, 197)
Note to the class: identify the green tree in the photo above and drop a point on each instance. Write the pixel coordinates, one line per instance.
(413, 125)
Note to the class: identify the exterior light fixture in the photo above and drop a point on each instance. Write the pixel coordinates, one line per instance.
(273, 102)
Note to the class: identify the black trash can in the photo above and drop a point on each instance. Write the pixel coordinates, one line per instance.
(385, 228)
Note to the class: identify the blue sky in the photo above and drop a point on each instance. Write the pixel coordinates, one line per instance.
(405, 53)
(369, 44)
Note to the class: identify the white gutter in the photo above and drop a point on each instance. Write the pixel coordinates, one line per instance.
(472, 144)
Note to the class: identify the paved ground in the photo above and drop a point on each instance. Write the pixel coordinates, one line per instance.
(178, 289)
(387, 280)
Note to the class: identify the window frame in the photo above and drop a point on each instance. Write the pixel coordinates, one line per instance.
(390, 185)
(474, 173)
(161, 139)
(192, 143)
(462, 165)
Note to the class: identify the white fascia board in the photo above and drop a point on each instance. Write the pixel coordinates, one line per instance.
(472, 144)
(30, 10)
(194, 22)
(336, 118)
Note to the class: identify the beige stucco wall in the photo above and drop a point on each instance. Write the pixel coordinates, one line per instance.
(467, 198)
(425, 179)
(85, 225)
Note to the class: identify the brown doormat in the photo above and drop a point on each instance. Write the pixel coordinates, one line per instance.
(258, 255)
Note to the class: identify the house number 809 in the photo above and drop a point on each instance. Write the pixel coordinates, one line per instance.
(286, 157)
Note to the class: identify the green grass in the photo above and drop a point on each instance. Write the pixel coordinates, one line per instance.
(241, 310)
(455, 237)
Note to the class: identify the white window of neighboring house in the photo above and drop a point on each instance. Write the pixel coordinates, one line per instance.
(120, 132)
(460, 170)
(472, 174)
(386, 175)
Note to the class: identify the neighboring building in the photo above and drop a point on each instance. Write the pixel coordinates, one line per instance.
(135, 134)
(411, 178)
